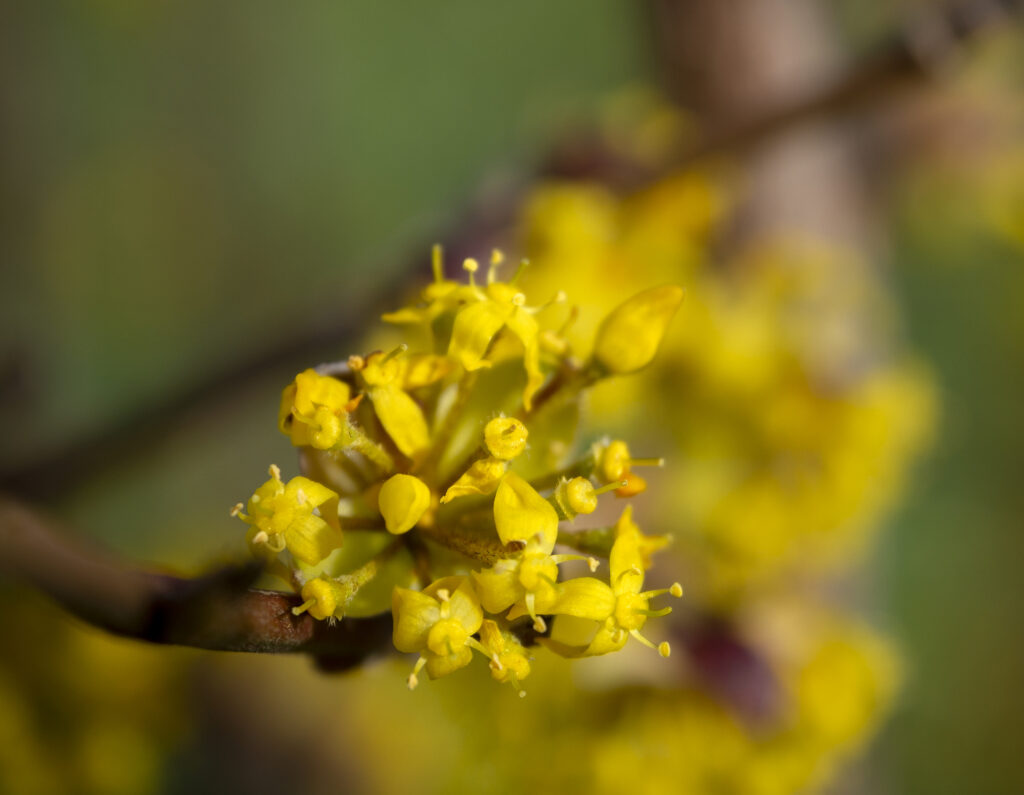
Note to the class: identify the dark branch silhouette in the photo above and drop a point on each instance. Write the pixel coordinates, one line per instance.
(219, 611)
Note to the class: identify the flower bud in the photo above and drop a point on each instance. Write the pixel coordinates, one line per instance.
(505, 437)
(629, 337)
(402, 501)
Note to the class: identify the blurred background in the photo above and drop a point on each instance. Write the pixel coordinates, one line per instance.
(198, 201)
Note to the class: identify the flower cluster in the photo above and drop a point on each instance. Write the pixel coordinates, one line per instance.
(791, 414)
(447, 475)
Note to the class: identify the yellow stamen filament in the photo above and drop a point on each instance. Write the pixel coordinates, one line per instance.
(437, 262)
(523, 264)
(396, 352)
(618, 484)
(298, 611)
(414, 678)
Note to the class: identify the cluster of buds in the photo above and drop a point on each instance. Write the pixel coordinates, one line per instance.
(456, 461)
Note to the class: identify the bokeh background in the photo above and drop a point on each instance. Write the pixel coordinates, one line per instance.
(186, 187)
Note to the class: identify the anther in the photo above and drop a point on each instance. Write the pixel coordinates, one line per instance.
(236, 509)
(275, 472)
(664, 649)
(676, 590)
(356, 362)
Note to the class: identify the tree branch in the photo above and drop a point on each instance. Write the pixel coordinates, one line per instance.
(218, 612)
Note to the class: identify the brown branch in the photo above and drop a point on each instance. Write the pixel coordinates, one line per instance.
(925, 47)
(218, 612)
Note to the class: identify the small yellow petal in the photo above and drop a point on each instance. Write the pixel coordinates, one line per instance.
(498, 586)
(475, 326)
(402, 418)
(413, 614)
(310, 539)
(402, 501)
(482, 477)
(584, 597)
(626, 560)
(520, 513)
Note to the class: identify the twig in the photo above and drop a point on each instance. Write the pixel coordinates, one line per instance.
(218, 612)
(923, 48)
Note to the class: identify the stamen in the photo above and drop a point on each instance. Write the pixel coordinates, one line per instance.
(654, 613)
(473, 643)
(496, 259)
(618, 484)
(539, 624)
(396, 352)
(574, 314)
(523, 264)
(647, 462)
(352, 405)
(514, 681)
(471, 266)
(414, 679)
(298, 611)
(437, 262)
(275, 472)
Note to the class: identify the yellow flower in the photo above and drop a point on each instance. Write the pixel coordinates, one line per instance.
(505, 439)
(615, 465)
(301, 517)
(529, 583)
(400, 415)
(496, 307)
(329, 598)
(631, 606)
(508, 659)
(438, 623)
(313, 410)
